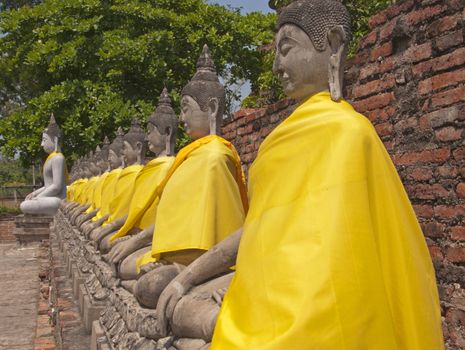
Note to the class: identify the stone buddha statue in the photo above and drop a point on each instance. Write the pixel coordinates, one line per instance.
(133, 154)
(115, 160)
(331, 255)
(162, 130)
(202, 199)
(46, 200)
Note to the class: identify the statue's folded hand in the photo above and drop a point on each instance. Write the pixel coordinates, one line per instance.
(123, 249)
(169, 298)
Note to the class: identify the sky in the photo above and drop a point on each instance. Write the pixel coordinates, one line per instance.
(247, 5)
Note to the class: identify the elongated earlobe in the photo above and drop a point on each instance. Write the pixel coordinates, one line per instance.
(213, 107)
(336, 39)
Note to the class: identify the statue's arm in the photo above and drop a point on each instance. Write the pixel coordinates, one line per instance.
(138, 241)
(35, 193)
(58, 181)
(216, 261)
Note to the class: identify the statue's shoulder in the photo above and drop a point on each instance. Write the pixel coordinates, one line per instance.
(58, 158)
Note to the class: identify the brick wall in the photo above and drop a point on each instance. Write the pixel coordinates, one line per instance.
(408, 78)
(7, 226)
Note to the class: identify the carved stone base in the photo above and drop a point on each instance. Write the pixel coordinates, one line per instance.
(32, 228)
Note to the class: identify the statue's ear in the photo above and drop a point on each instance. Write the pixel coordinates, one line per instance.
(337, 44)
(213, 107)
(55, 141)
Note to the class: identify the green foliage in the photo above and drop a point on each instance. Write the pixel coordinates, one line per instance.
(9, 211)
(12, 173)
(96, 63)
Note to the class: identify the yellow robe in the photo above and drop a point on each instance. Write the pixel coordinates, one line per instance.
(89, 195)
(144, 202)
(66, 174)
(107, 193)
(123, 192)
(72, 189)
(332, 256)
(203, 199)
(81, 191)
(97, 195)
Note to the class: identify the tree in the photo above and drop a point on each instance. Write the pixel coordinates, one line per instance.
(96, 63)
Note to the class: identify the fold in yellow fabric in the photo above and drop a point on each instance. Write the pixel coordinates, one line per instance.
(144, 202)
(332, 256)
(71, 191)
(124, 189)
(97, 193)
(92, 183)
(81, 191)
(108, 191)
(66, 174)
(203, 198)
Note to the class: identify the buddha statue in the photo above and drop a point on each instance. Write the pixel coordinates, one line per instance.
(162, 130)
(119, 200)
(330, 255)
(115, 161)
(202, 199)
(46, 200)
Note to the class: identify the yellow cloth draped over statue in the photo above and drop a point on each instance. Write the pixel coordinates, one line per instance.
(89, 192)
(332, 256)
(108, 191)
(96, 196)
(203, 198)
(81, 192)
(144, 202)
(73, 189)
(123, 192)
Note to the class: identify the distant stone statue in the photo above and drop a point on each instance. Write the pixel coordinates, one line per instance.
(331, 255)
(46, 200)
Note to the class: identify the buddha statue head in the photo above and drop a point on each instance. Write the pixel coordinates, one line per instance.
(203, 100)
(311, 47)
(52, 137)
(93, 164)
(85, 167)
(115, 152)
(162, 127)
(102, 158)
(134, 143)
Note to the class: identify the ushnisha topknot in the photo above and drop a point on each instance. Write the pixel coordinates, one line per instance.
(135, 133)
(316, 18)
(117, 144)
(53, 130)
(164, 118)
(205, 84)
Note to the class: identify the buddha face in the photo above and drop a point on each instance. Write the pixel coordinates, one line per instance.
(131, 153)
(94, 169)
(157, 141)
(196, 121)
(301, 68)
(47, 143)
(102, 164)
(114, 160)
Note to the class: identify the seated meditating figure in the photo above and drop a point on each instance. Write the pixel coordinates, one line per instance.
(162, 128)
(203, 197)
(331, 255)
(107, 190)
(46, 200)
(133, 153)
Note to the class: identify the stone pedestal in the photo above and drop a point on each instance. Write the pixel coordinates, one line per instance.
(32, 228)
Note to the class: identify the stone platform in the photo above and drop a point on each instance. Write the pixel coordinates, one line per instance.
(32, 228)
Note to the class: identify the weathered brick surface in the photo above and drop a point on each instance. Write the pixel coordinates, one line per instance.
(408, 78)
(7, 226)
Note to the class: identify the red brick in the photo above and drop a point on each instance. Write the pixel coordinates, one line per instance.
(374, 102)
(415, 17)
(368, 40)
(387, 30)
(374, 86)
(441, 81)
(442, 25)
(381, 51)
(448, 97)
(453, 59)
(439, 155)
(433, 229)
(450, 40)
(461, 190)
(449, 133)
(426, 191)
(456, 254)
(420, 174)
(436, 253)
(458, 233)
(447, 171)
(444, 116)
(384, 129)
(377, 20)
(459, 153)
(405, 124)
(399, 7)
(424, 211)
(419, 52)
(449, 211)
